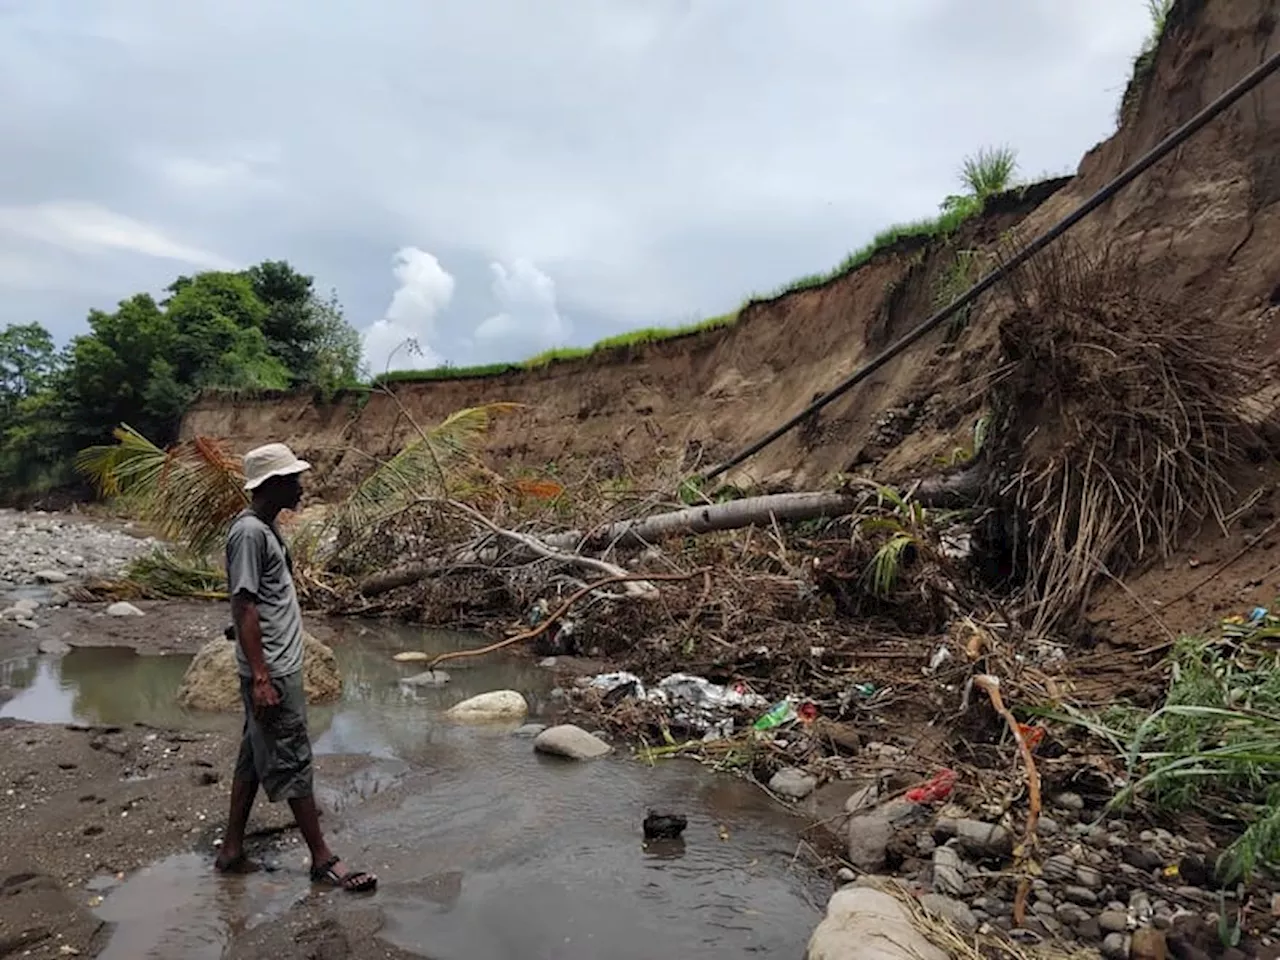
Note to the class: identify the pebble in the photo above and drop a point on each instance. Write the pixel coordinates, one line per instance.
(1113, 921)
(1071, 915)
(793, 783)
(862, 799)
(953, 910)
(38, 547)
(1080, 895)
(1060, 868)
(976, 837)
(123, 609)
(1088, 877)
(1069, 801)
(1114, 947)
(845, 875)
(948, 877)
(1049, 827)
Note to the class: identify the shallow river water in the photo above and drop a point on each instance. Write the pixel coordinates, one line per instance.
(485, 850)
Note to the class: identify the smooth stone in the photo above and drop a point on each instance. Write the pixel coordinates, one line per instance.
(1048, 827)
(1069, 801)
(529, 730)
(1113, 921)
(1071, 915)
(793, 783)
(1088, 877)
(570, 742)
(124, 609)
(869, 838)
(948, 878)
(953, 910)
(862, 799)
(498, 705)
(1114, 947)
(976, 837)
(52, 648)
(212, 681)
(27, 604)
(1060, 868)
(1080, 895)
(871, 925)
(51, 576)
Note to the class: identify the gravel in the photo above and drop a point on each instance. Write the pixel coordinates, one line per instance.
(55, 548)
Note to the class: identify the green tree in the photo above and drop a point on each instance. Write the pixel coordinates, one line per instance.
(144, 362)
(28, 359)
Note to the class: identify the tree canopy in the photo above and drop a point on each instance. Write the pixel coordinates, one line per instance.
(143, 363)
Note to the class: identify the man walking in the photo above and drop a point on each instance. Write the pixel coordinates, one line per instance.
(275, 749)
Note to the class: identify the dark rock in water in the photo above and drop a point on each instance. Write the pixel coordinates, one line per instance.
(664, 826)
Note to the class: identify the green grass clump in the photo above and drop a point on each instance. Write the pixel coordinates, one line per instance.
(631, 338)
(1214, 745)
(1145, 60)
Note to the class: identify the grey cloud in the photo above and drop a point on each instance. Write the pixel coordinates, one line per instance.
(652, 159)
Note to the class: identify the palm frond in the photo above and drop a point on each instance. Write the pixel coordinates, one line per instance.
(189, 493)
(425, 468)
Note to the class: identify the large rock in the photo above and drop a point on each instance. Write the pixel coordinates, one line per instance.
(867, 924)
(569, 741)
(497, 706)
(212, 682)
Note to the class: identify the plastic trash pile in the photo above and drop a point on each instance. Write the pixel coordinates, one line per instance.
(693, 702)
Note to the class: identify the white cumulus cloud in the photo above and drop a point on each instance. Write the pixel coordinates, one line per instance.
(424, 289)
(529, 320)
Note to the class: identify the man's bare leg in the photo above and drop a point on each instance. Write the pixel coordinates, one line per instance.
(231, 855)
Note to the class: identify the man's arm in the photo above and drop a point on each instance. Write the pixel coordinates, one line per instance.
(245, 549)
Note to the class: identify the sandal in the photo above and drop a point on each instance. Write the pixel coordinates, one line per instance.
(353, 881)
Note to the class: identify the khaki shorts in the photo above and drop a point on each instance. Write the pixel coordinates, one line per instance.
(275, 749)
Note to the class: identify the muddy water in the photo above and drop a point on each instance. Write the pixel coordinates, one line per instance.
(485, 850)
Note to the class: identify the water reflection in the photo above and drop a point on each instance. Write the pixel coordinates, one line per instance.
(377, 716)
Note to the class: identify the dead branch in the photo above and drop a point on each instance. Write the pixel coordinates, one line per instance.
(635, 586)
(558, 613)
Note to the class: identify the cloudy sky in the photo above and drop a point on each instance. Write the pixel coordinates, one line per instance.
(494, 177)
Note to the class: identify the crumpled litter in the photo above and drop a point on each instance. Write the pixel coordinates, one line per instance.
(696, 702)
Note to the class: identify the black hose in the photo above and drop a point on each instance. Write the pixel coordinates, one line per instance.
(1154, 155)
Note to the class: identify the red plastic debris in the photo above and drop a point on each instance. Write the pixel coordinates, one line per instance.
(1031, 735)
(938, 788)
(807, 713)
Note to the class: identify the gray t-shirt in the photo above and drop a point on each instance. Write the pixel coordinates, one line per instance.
(259, 565)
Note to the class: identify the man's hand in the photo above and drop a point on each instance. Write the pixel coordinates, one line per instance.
(265, 697)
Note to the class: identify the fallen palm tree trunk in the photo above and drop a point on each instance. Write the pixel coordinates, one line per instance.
(958, 489)
(955, 489)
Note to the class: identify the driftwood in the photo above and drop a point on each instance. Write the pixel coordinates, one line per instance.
(953, 490)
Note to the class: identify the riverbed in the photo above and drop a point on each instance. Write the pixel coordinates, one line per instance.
(485, 849)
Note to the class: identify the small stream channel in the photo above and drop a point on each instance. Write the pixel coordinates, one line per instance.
(485, 849)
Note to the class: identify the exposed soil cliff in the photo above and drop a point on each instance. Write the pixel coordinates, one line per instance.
(679, 404)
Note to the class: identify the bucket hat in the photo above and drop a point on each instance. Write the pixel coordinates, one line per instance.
(270, 460)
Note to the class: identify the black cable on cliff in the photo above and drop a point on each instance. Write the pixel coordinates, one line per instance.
(1153, 156)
